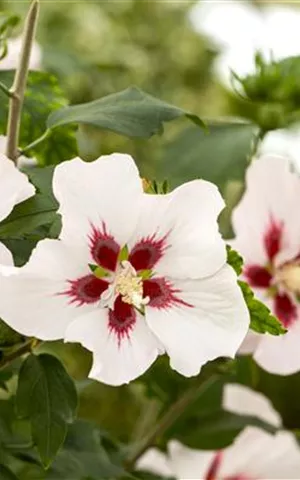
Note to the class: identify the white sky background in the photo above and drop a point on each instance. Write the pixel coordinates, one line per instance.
(238, 29)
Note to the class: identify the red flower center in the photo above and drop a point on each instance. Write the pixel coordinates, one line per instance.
(277, 281)
(104, 249)
(123, 286)
(214, 468)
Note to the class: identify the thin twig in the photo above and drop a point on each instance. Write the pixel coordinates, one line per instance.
(36, 142)
(175, 411)
(18, 88)
(26, 348)
(6, 90)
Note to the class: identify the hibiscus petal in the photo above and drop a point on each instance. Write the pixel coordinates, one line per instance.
(105, 192)
(188, 463)
(259, 454)
(39, 308)
(156, 462)
(187, 221)
(15, 186)
(244, 401)
(115, 362)
(250, 343)
(6, 257)
(272, 193)
(280, 355)
(215, 326)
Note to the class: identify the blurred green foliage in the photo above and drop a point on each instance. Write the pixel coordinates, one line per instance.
(98, 48)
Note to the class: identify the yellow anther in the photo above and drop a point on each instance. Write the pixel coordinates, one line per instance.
(289, 276)
(130, 286)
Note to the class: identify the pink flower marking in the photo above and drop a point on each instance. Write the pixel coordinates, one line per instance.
(264, 277)
(121, 319)
(285, 309)
(147, 252)
(273, 238)
(214, 467)
(162, 294)
(104, 248)
(87, 289)
(258, 276)
(212, 473)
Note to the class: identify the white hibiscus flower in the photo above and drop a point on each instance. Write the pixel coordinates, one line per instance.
(267, 227)
(285, 142)
(132, 275)
(255, 454)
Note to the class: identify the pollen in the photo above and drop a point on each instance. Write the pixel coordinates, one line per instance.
(130, 286)
(289, 277)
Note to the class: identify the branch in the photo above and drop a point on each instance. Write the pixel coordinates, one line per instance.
(26, 348)
(17, 90)
(170, 417)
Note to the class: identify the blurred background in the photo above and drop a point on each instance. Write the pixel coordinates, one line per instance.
(180, 51)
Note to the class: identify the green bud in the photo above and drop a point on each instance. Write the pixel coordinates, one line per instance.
(271, 116)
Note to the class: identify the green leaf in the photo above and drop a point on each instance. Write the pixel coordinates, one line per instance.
(28, 216)
(34, 212)
(216, 429)
(47, 395)
(7, 474)
(234, 259)
(7, 415)
(217, 155)
(8, 336)
(132, 113)
(84, 456)
(282, 391)
(7, 23)
(143, 475)
(261, 319)
(20, 248)
(43, 95)
(7, 20)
